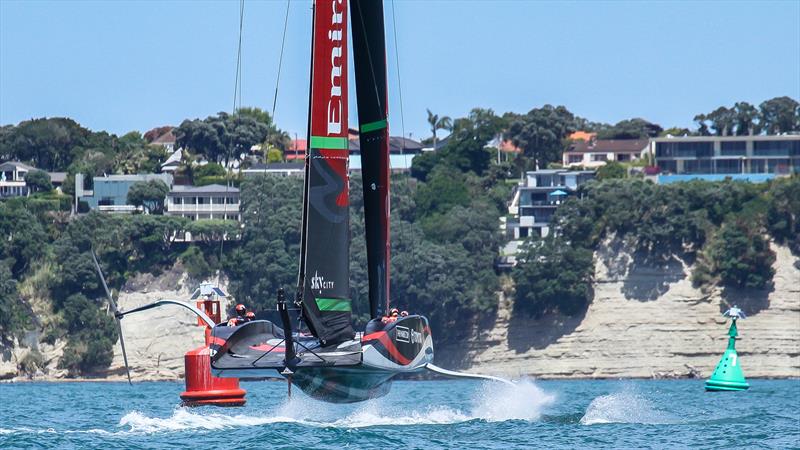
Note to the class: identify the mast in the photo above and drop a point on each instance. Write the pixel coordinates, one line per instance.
(324, 278)
(369, 57)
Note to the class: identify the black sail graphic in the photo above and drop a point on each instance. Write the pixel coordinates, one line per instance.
(369, 56)
(325, 275)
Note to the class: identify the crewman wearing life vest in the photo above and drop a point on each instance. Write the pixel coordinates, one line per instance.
(392, 317)
(241, 316)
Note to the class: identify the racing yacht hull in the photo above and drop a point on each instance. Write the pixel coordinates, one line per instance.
(352, 371)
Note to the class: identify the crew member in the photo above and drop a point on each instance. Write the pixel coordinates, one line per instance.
(392, 317)
(241, 316)
(250, 316)
(403, 313)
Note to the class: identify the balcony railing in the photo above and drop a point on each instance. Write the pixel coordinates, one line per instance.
(204, 208)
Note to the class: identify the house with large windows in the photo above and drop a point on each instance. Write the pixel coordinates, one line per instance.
(597, 152)
(109, 193)
(753, 158)
(533, 203)
(12, 179)
(213, 201)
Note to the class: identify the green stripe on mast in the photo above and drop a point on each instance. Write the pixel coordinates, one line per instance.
(334, 304)
(372, 126)
(330, 143)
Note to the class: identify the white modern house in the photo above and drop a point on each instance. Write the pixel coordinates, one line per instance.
(12, 179)
(204, 202)
(597, 152)
(532, 205)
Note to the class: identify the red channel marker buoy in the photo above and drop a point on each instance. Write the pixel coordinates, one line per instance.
(202, 388)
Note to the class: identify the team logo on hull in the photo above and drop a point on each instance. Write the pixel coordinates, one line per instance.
(407, 335)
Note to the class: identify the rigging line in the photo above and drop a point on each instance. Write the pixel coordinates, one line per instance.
(280, 59)
(237, 89)
(399, 86)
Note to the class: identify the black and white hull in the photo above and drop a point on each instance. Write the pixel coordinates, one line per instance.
(352, 371)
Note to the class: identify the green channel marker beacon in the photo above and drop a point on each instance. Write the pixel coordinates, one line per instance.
(728, 375)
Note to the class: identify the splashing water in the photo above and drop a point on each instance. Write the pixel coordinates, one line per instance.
(521, 401)
(493, 402)
(626, 406)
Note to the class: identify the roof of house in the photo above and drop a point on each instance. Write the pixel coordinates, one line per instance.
(582, 135)
(17, 164)
(620, 145)
(298, 145)
(135, 177)
(208, 189)
(397, 144)
(174, 159)
(166, 138)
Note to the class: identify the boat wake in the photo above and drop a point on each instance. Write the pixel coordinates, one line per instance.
(493, 402)
(626, 406)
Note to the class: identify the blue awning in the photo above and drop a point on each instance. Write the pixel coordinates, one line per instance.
(558, 192)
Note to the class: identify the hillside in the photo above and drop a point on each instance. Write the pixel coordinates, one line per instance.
(649, 322)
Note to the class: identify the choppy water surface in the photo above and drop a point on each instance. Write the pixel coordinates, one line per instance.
(417, 414)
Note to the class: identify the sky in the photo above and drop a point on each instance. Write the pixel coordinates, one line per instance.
(134, 65)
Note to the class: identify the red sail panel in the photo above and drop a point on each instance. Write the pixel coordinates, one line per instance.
(326, 275)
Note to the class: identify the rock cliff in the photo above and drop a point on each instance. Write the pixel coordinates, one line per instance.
(649, 321)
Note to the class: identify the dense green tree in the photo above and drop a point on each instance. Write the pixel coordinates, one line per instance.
(631, 129)
(24, 237)
(783, 214)
(611, 169)
(226, 136)
(445, 188)
(722, 120)
(136, 155)
(49, 144)
(746, 118)
(553, 276)
(738, 256)
(38, 181)
(149, 194)
(702, 125)
(14, 317)
(675, 131)
(780, 115)
(466, 147)
(209, 231)
(540, 132)
(196, 263)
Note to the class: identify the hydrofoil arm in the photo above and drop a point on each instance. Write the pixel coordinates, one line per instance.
(474, 376)
(202, 315)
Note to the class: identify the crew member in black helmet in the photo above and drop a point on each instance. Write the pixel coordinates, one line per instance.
(241, 316)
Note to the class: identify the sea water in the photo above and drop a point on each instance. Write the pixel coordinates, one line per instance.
(416, 414)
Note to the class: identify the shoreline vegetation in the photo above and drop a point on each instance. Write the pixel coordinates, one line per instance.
(445, 235)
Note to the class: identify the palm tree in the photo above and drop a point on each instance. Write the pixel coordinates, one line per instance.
(438, 123)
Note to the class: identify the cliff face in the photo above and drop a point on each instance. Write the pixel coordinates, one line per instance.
(156, 339)
(644, 321)
(649, 321)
